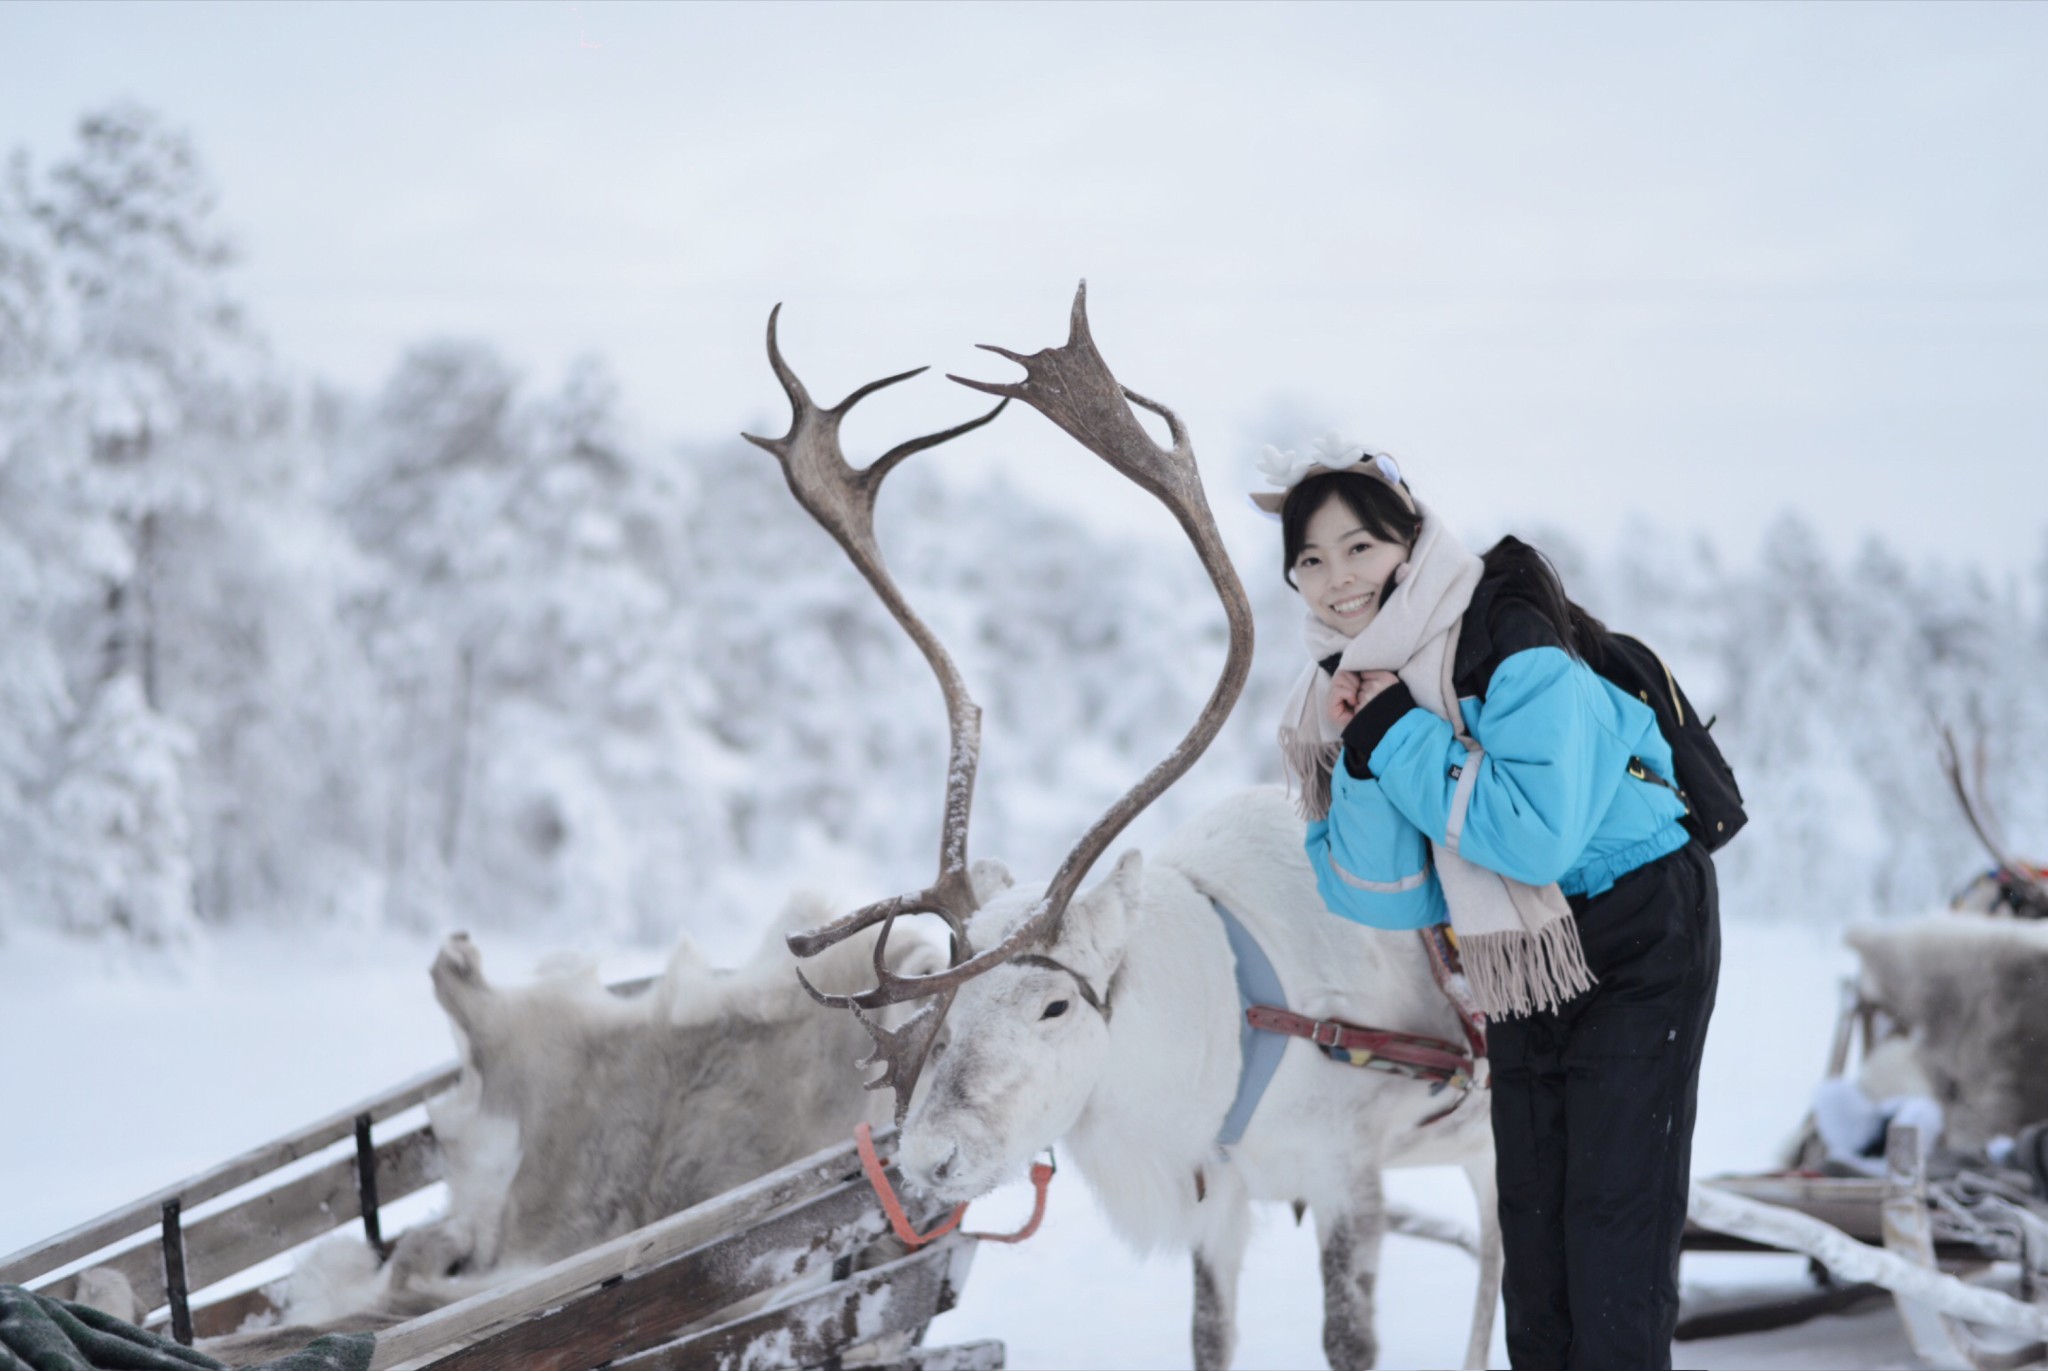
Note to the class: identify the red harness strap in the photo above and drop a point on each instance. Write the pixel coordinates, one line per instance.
(899, 1222)
(1432, 1057)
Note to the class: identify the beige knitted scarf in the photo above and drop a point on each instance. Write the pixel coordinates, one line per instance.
(1519, 942)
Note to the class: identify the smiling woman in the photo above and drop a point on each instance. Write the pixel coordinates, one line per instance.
(1460, 760)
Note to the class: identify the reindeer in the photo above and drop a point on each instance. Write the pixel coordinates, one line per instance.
(1112, 1020)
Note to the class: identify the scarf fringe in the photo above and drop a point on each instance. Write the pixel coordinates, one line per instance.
(1516, 974)
(1309, 762)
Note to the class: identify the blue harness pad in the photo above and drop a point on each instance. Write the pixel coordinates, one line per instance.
(1257, 983)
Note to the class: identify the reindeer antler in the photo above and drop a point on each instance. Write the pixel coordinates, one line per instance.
(1072, 386)
(1952, 767)
(842, 500)
(1983, 821)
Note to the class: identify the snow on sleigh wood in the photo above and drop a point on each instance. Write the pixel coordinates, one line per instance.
(684, 1257)
(634, 1301)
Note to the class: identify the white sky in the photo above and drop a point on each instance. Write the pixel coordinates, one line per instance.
(1573, 263)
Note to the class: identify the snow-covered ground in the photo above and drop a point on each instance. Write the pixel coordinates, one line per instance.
(120, 1079)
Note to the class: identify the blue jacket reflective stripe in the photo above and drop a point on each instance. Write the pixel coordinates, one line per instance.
(1552, 799)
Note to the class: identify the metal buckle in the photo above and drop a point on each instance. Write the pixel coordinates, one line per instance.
(1316, 1034)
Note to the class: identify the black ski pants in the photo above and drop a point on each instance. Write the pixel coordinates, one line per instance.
(1593, 1108)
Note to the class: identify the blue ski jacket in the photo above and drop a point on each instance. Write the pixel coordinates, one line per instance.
(1564, 787)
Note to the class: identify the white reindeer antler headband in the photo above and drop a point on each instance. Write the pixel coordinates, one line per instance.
(1331, 454)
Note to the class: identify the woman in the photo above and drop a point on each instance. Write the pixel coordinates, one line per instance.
(1458, 759)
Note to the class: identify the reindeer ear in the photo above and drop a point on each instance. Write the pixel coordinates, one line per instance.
(1097, 927)
(990, 877)
(1127, 877)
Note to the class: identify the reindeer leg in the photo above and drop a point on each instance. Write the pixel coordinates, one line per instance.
(1479, 1171)
(1219, 1259)
(1351, 1264)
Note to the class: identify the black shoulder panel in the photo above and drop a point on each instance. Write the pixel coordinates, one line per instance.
(1498, 624)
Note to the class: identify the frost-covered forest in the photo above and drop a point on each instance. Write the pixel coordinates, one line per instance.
(460, 652)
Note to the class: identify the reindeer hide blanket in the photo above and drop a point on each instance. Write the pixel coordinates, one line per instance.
(56, 1335)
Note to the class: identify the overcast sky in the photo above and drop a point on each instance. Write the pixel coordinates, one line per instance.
(1574, 263)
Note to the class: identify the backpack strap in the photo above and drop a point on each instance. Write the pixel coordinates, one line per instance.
(1641, 771)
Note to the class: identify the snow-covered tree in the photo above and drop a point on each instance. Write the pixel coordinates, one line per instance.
(121, 862)
(469, 650)
(521, 619)
(157, 503)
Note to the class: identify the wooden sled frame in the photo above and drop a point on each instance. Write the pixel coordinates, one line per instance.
(651, 1299)
(1897, 1214)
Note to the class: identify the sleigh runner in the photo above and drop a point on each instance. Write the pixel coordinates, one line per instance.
(804, 1251)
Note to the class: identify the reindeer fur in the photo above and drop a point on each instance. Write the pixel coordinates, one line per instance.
(1973, 991)
(1136, 1099)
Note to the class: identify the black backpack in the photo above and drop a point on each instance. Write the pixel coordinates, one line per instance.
(1713, 802)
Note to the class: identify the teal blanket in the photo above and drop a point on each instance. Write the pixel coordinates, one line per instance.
(38, 1333)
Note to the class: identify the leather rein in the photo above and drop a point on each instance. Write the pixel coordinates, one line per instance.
(1419, 1057)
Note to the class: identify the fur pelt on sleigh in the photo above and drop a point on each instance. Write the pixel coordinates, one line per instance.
(1971, 992)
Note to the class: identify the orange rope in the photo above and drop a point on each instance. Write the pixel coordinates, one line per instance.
(899, 1222)
(1041, 1178)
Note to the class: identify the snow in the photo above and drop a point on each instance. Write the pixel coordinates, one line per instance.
(139, 1075)
(293, 681)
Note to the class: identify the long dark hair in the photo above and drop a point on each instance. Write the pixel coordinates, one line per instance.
(1527, 574)
(1520, 570)
(1378, 509)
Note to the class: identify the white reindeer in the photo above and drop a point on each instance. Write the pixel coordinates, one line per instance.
(1136, 1091)
(1113, 1020)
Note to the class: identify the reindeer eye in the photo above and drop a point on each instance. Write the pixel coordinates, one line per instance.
(1054, 1010)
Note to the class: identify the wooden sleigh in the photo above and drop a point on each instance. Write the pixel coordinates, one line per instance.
(805, 1252)
(1902, 1236)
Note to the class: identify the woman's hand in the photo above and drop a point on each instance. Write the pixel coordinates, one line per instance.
(1351, 691)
